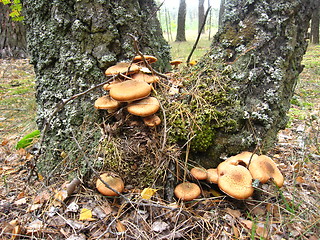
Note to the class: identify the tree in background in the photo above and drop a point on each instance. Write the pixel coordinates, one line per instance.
(221, 12)
(314, 34)
(201, 15)
(181, 29)
(13, 42)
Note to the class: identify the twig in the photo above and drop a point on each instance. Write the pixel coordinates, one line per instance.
(136, 48)
(199, 34)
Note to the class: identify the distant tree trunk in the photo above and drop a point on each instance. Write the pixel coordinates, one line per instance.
(13, 42)
(242, 103)
(72, 43)
(200, 15)
(221, 12)
(181, 29)
(315, 24)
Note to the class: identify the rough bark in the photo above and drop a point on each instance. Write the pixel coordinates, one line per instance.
(315, 22)
(13, 42)
(72, 43)
(181, 28)
(241, 92)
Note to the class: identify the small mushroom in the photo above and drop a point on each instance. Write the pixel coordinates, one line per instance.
(122, 67)
(212, 175)
(242, 158)
(145, 77)
(264, 168)
(148, 58)
(107, 103)
(235, 181)
(199, 173)
(108, 86)
(130, 90)
(175, 63)
(187, 191)
(152, 120)
(144, 107)
(115, 182)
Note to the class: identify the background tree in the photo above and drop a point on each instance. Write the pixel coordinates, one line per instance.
(181, 29)
(221, 12)
(201, 15)
(315, 24)
(12, 35)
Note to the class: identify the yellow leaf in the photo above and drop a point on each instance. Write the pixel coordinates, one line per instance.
(120, 227)
(147, 193)
(86, 214)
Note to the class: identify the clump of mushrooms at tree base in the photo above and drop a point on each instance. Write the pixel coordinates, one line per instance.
(235, 176)
(132, 88)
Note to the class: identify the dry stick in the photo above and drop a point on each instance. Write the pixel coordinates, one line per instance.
(199, 34)
(136, 48)
(57, 109)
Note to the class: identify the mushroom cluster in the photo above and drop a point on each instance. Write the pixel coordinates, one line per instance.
(235, 175)
(132, 87)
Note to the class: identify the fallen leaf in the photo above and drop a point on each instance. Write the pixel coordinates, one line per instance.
(34, 226)
(147, 193)
(86, 215)
(120, 227)
(300, 179)
(72, 207)
(159, 226)
(21, 201)
(234, 213)
(247, 223)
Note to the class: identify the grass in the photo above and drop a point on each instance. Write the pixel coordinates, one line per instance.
(181, 50)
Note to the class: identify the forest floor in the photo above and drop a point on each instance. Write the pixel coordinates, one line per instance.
(36, 211)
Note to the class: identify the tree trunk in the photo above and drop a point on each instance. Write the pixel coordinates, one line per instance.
(315, 24)
(241, 94)
(12, 36)
(72, 43)
(181, 29)
(200, 15)
(221, 13)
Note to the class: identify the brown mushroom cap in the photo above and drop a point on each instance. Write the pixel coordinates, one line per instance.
(263, 168)
(152, 120)
(122, 67)
(107, 103)
(145, 77)
(130, 90)
(187, 191)
(199, 173)
(176, 62)
(108, 86)
(212, 175)
(235, 181)
(115, 182)
(148, 58)
(144, 107)
(242, 158)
